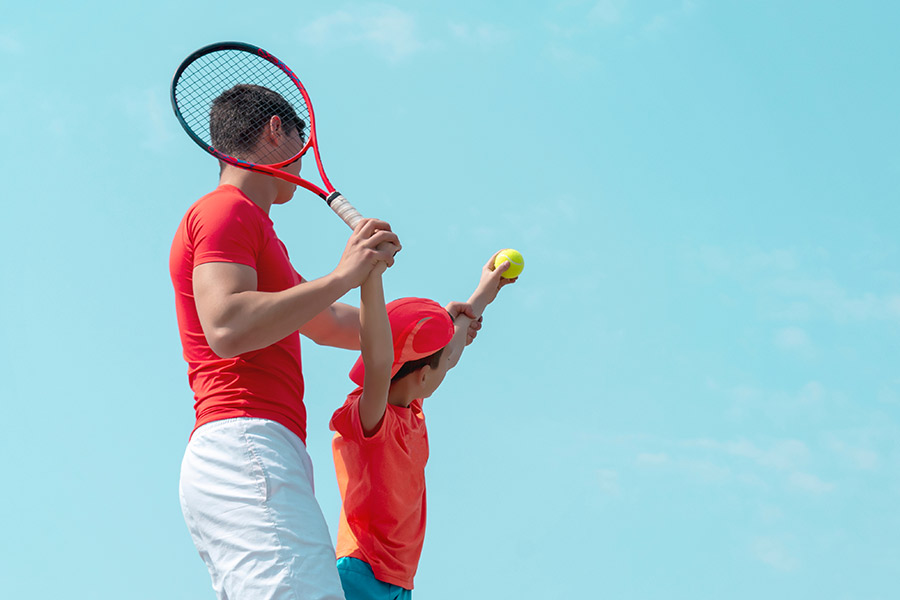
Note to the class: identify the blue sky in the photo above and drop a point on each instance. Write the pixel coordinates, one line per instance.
(692, 392)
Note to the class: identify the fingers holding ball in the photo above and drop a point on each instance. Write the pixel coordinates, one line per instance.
(516, 263)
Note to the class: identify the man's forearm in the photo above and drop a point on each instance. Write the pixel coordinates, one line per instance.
(336, 326)
(250, 320)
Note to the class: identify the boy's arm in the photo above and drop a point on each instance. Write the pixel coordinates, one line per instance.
(377, 348)
(489, 285)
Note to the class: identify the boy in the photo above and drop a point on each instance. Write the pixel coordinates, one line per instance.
(246, 478)
(381, 445)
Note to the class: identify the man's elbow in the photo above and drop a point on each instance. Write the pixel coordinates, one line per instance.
(224, 342)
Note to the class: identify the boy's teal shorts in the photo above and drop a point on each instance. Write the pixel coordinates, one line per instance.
(360, 584)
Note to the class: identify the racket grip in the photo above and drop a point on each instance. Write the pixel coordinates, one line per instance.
(344, 209)
(349, 214)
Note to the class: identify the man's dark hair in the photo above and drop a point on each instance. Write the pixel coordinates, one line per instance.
(238, 115)
(414, 365)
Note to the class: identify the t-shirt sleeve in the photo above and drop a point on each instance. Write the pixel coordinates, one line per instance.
(347, 423)
(226, 232)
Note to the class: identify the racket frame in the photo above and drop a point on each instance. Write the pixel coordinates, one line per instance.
(328, 194)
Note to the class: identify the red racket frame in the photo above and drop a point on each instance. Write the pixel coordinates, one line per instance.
(334, 199)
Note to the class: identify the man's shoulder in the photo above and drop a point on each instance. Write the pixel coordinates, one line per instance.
(226, 206)
(224, 198)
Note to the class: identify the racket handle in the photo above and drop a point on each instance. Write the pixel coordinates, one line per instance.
(349, 214)
(344, 209)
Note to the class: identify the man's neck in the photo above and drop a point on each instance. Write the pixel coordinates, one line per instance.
(260, 188)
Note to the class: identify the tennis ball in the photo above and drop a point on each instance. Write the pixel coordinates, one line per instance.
(516, 262)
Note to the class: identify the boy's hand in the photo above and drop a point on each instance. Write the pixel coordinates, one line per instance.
(461, 308)
(378, 270)
(492, 280)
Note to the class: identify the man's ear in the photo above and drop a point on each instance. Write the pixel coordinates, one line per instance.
(273, 129)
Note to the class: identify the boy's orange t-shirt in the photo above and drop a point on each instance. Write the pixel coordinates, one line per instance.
(382, 484)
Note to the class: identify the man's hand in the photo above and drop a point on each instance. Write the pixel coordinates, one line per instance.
(370, 243)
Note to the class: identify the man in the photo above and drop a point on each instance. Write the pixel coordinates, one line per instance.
(246, 480)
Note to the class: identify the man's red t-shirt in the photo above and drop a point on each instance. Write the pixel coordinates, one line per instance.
(226, 226)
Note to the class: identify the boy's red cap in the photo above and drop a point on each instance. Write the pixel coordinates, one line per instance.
(420, 327)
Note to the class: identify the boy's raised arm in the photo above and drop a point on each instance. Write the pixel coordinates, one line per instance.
(377, 349)
(489, 285)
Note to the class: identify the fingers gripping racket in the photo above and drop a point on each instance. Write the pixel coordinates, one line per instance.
(212, 71)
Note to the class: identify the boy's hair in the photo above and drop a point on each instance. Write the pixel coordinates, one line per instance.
(414, 365)
(238, 115)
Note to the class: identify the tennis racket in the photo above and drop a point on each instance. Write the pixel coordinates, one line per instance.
(207, 73)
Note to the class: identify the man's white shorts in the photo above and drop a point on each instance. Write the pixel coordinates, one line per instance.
(247, 497)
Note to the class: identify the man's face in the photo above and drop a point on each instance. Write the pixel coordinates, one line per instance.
(276, 143)
(286, 189)
(292, 142)
(289, 146)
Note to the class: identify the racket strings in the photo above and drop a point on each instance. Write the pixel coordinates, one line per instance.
(212, 74)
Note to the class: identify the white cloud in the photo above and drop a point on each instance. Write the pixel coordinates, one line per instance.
(657, 23)
(745, 264)
(770, 514)
(794, 340)
(480, 34)
(385, 29)
(56, 124)
(781, 455)
(889, 393)
(807, 482)
(705, 470)
(828, 297)
(150, 116)
(780, 259)
(812, 393)
(779, 279)
(607, 12)
(749, 401)
(711, 258)
(664, 20)
(608, 481)
(652, 459)
(9, 44)
(570, 58)
(860, 458)
(772, 552)
(866, 448)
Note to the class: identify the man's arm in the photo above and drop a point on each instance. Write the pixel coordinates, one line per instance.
(377, 346)
(336, 326)
(236, 318)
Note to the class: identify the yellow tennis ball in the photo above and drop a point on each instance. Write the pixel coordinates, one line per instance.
(516, 262)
